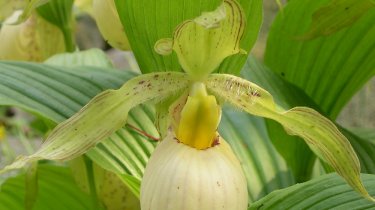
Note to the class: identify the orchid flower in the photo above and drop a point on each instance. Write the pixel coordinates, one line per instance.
(193, 167)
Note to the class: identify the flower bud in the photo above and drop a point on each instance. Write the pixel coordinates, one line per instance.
(109, 24)
(33, 40)
(180, 177)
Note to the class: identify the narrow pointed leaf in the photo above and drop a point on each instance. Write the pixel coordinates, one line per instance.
(325, 192)
(145, 22)
(102, 116)
(335, 16)
(319, 133)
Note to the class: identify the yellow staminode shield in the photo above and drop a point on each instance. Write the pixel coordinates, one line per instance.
(199, 119)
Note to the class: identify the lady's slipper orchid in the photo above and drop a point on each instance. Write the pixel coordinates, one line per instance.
(187, 166)
(33, 40)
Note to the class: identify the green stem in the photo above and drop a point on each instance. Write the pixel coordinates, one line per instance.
(68, 39)
(91, 180)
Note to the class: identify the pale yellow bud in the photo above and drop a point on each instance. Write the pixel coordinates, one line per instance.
(109, 24)
(33, 40)
(180, 177)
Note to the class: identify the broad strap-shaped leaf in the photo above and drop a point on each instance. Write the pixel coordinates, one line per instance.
(202, 44)
(102, 116)
(335, 16)
(145, 22)
(330, 69)
(319, 133)
(325, 192)
(57, 190)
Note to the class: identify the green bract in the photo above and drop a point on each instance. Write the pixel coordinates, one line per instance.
(201, 45)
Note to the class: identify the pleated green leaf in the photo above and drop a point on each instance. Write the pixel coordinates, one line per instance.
(146, 22)
(329, 69)
(319, 133)
(335, 16)
(325, 192)
(57, 190)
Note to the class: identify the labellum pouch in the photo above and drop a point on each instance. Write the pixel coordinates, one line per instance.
(181, 177)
